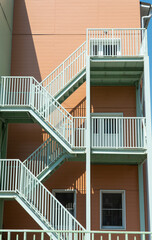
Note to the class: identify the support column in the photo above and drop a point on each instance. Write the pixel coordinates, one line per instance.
(149, 138)
(141, 197)
(139, 112)
(88, 155)
(3, 154)
(4, 140)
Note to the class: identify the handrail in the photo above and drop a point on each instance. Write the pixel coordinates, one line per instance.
(17, 178)
(76, 234)
(47, 153)
(79, 132)
(66, 71)
(116, 42)
(26, 91)
(118, 132)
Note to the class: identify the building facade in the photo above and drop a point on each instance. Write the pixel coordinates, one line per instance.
(75, 111)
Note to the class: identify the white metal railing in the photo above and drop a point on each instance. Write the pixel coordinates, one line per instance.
(43, 156)
(79, 132)
(116, 42)
(66, 71)
(27, 92)
(15, 177)
(72, 235)
(118, 132)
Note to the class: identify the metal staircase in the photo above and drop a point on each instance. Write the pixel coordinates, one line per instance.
(25, 94)
(46, 158)
(18, 182)
(68, 76)
(42, 102)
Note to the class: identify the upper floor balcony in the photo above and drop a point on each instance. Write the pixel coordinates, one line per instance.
(120, 43)
(116, 55)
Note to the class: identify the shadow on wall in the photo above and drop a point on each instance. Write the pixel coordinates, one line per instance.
(79, 109)
(24, 57)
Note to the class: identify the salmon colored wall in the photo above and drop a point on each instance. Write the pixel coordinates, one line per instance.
(103, 99)
(114, 99)
(23, 139)
(71, 175)
(44, 34)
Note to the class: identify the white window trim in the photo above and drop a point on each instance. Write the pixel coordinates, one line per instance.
(123, 210)
(54, 191)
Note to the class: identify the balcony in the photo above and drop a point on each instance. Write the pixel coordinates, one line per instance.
(112, 134)
(116, 55)
(116, 42)
(118, 133)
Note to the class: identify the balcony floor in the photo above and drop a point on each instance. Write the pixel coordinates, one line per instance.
(107, 71)
(114, 158)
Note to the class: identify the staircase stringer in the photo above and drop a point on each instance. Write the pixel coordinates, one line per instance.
(67, 71)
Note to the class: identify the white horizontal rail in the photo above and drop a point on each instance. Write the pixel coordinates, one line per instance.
(116, 42)
(43, 156)
(66, 71)
(118, 132)
(79, 132)
(81, 235)
(27, 92)
(17, 178)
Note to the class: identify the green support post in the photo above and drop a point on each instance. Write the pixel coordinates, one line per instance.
(3, 154)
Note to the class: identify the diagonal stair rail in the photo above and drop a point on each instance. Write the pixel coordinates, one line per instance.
(27, 92)
(65, 73)
(16, 178)
(45, 155)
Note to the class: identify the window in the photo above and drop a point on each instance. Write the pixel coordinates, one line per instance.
(105, 47)
(112, 209)
(67, 198)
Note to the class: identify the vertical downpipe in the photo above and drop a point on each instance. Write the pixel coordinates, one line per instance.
(149, 137)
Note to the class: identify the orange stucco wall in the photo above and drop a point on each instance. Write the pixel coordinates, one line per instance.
(114, 99)
(71, 175)
(44, 34)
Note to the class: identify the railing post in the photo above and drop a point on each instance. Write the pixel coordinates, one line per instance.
(21, 179)
(144, 133)
(112, 44)
(48, 152)
(145, 42)
(70, 228)
(4, 91)
(72, 133)
(117, 133)
(16, 175)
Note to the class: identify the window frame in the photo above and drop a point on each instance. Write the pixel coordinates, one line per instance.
(54, 191)
(123, 227)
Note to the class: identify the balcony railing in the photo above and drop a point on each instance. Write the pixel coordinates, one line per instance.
(119, 132)
(14, 234)
(116, 42)
(79, 132)
(57, 80)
